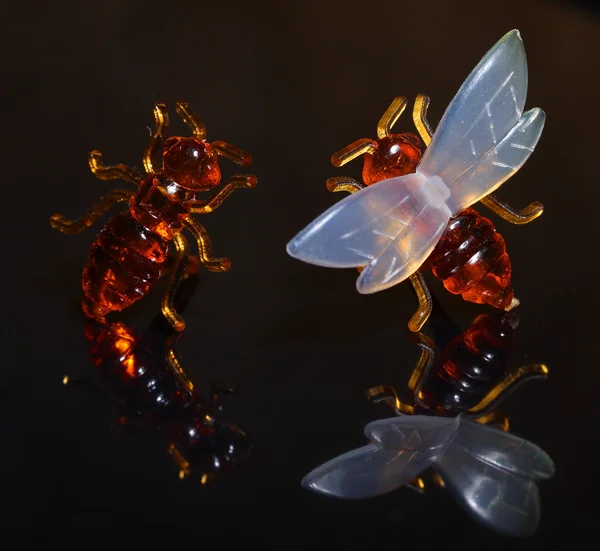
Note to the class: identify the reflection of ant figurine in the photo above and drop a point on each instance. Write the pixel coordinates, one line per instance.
(146, 378)
(130, 253)
(490, 472)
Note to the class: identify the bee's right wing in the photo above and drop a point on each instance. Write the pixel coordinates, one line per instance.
(367, 472)
(390, 228)
(484, 137)
(493, 474)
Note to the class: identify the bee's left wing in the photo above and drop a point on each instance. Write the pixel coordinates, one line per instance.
(492, 474)
(390, 228)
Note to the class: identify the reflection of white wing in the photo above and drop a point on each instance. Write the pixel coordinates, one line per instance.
(401, 448)
(391, 227)
(470, 136)
(492, 475)
(367, 472)
(412, 432)
(490, 472)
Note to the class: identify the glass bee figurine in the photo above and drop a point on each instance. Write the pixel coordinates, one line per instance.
(413, 210)
(131, 252)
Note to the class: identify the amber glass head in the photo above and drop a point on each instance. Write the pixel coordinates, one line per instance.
(396, 155)
(191, 163)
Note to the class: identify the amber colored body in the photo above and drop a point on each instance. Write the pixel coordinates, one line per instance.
(144, 383)
(470, 258)
(470, 366)
(128, 255)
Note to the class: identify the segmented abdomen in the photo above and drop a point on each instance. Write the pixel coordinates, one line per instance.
(471, 261)
(124, 261)
(137, 374)
(471, 365)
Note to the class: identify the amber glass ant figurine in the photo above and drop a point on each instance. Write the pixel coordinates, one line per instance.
(131, 252)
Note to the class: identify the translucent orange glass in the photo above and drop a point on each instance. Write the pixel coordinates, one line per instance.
(131, 252)
(470, 258)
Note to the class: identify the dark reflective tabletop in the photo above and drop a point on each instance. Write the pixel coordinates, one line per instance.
(291, 83)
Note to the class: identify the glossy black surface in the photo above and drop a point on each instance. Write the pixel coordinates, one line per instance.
(291, 83)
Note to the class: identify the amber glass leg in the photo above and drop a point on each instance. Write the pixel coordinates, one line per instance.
(389, 118)
(161, 121)
(238, 181)
(355, 149)
(508, 385)
(231, 152)
(505, 211)
(423, 363)
(388, 395)
(174, 360)
(112, 172)
(180, 460)
(205, 249)
(343, 183)
(495, 419)
(420, 118)
(72, 227)
(425, 303)
(437, 480)
(190, 118)
(168, 307)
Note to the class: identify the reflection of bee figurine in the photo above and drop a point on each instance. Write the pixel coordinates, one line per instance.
(130, 253)
(490, 472)
(416, 212)
(146, 378)
(470, 375)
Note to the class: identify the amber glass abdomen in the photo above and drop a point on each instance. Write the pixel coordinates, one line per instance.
(124, 261)
(471, 365)
(470, 260)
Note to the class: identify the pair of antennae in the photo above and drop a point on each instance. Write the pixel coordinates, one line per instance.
(384, 129)
(161, 122)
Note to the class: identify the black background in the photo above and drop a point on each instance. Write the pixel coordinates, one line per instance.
(291, 82)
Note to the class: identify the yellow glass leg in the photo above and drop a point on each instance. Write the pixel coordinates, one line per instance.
(205, 248)
(190, 118)
(167, 306)
(161, 121)
(510, 382)
(73, 227)
(239, 181)
(425, 303)
(355, 149)
(235, 154)
(423, 363)
(505, 211)
(389, 118)
(387, 394)
(112, 172)
(343, 183)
